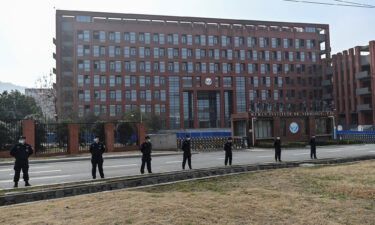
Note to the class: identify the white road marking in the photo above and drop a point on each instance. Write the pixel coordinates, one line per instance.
(31, 167)
(264, 156)
(220, 158)
(305, 153)
(6, 170)
(48, 171)
(173, 162)
(335, 151)
(115, 166)
(371, 151)
(37, 178)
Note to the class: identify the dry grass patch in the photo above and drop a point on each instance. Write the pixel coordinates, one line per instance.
(320, 195)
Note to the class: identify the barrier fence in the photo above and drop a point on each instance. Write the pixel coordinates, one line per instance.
(364, 136)
(10, 130)
(51, 138)
(87, 132)
(212, 143)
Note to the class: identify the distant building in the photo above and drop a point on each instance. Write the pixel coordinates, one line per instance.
(45, 99)
(350, 85)
(193, 72)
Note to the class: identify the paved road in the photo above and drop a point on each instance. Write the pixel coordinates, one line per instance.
(62, 172)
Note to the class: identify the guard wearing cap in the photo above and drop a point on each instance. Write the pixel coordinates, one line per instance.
(186, 147)
(97, 149)
(313, 147)
(277, 146)
(21, 152)
(228, 151)
(146, 149)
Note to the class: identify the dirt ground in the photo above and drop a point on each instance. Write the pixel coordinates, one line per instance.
(342, 194)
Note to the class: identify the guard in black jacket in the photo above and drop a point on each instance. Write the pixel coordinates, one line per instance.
(186, 147)
(313, 148)
(21, 152)
(228, 151)
(277, 146)
(146, 149)
(97, 149)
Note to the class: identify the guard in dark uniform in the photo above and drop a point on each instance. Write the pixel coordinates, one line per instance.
(97, 149)
(277, 146)
(228, 151)
(146, 149)
(313, 148)
(186, 147)
(21, 152)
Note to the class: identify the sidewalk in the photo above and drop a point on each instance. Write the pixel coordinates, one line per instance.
(87, 156)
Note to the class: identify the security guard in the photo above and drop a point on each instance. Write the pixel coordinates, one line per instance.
(186, 147)
(228, 151)
(97, 149)
(21, 152)
(313, 148)
(277, 146)
(146, 149)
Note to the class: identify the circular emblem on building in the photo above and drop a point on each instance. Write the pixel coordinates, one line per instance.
(208, 81)
(293, 127)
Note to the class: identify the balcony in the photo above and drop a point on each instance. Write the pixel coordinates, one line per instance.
(326, 83)
(327, 97)
(364, 107)
(363, 91)
(322, 38)
(362, 75)
(329, 71)
(365, 60)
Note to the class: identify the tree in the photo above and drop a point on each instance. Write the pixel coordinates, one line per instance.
(47, 82)
(14, 106)
(152, 122)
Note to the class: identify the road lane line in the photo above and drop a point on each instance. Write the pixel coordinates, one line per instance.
(115, 166)
(173, 162)
(6, 170)
(220, 158)
(47, 171)
(335, 151)
(371, 151)
(37, 178)
(265, 156)
(305, 153)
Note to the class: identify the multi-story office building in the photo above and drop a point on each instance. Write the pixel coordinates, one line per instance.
(350, 83)
(193, 72)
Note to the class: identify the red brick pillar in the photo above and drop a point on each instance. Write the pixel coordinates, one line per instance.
(28, 130)
(109, 135)
(73, 141)
(312, 126)
(276, 126)
(141, 133)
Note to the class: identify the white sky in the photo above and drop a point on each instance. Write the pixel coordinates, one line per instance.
(28, 26)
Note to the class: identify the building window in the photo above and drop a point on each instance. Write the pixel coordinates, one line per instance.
(227, 81)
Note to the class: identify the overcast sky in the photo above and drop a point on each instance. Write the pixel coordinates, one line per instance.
(27, 27)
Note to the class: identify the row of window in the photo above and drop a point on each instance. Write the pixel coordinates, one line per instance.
(118, 95)
(187, 53)
(198, 67)
(160, 95)
(118, 110)
(198, 40)
(189, 81)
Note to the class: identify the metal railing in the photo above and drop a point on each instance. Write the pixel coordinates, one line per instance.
(212, 143)
(10, 130)
(126, 134)
(87, 132)
(51, 138)
(363, 136)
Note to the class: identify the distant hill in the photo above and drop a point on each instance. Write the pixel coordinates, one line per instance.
(9, 86)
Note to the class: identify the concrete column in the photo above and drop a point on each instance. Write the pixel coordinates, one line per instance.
(28, 130)
(109, 135)
(73, 141)
(141, 133)
(372, 75)
(357, 68)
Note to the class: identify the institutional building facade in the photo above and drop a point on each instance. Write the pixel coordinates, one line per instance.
(193, 72)
(350, 85)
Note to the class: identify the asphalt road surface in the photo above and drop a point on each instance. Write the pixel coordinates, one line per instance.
(63, 172)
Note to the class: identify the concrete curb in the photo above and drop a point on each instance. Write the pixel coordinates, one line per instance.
(87, 158)
(152, 179)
